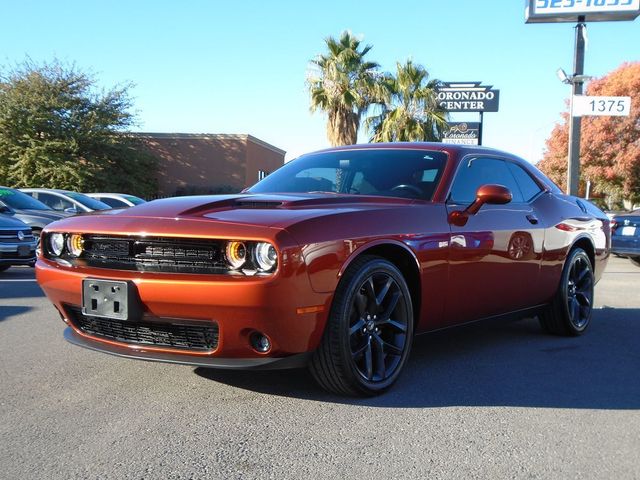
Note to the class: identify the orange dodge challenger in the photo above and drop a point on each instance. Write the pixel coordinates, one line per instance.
(334, 261)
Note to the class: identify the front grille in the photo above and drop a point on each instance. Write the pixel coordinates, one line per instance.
(171, 335)
(154, 254)
(11, 236)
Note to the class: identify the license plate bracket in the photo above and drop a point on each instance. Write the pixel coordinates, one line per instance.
(24, 250)
(114, 299)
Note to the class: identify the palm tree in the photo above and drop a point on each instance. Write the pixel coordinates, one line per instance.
(344, 86)
(411, 113)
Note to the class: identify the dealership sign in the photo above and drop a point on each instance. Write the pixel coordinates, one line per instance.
(544, 11)
(467, 97)
(462, 133)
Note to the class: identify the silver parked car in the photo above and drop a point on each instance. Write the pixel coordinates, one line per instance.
(117, 200)
(65, 200)
(36, 214)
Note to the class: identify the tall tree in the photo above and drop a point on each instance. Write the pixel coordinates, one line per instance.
(58, 130)
(609, 146)
(411, 112)
(344, 86)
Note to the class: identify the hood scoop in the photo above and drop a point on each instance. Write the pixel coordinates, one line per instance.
(258, 204)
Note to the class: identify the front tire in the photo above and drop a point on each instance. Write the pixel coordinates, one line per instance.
(635, 261)
(569, 313)
(369, 331)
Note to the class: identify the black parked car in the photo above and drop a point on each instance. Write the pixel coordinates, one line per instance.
(625, 235)
(27, 209)
(17, 243)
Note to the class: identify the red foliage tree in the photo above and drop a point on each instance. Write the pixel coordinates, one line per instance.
(609, 146)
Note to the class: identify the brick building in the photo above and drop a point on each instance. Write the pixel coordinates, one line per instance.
(209, 163)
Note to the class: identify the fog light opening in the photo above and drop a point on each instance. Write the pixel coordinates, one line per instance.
(260, 342)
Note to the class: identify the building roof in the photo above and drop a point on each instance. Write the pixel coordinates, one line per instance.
(212, 136)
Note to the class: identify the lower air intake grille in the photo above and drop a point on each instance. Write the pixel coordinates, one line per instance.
(178, 336)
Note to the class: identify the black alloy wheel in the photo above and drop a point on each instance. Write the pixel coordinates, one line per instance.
(369, 332)
(378, 327)
(571, 308)
(580, 291)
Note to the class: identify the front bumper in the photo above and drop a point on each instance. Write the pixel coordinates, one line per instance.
(276, 306)
(262, 363)
(10, 253)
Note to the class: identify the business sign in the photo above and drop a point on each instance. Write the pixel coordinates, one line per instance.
(601, 106)
(467, 97)
(462, 133)
(545, 11)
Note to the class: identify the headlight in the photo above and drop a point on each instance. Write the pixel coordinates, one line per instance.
(266, 256)
(56, 244)
(236, 254)
(75, 244)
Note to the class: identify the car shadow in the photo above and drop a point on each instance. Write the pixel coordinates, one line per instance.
(7, 311)
(510, 364)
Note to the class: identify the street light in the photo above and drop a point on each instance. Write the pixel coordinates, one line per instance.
(562, 75)
(571, 79)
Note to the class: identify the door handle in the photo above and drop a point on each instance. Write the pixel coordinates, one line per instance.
(532, 219)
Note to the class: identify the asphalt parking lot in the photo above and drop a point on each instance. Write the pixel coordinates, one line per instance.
(492, 401)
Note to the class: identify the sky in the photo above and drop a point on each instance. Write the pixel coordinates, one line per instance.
(240, 67)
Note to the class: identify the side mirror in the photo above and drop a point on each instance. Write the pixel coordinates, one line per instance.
(71, 210)
(487, 194)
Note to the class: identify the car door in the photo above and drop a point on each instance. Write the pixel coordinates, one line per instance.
(495, 257)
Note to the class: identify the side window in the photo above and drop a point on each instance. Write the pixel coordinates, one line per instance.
(53, 201)
(112, 202)
(46, 198)
(475, 172)
(528, 185)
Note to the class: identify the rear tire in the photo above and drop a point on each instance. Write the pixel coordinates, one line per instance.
(369, 331)
(569, 313)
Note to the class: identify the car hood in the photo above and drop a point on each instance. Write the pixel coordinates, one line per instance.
(7, 221)
(277, 211)
(49, 215)
(274, 210)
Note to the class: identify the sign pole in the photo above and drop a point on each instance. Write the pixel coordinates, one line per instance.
(573, 167)
(480, 129)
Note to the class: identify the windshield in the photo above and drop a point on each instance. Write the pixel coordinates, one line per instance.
(383, 172)
(20, 201)
(89, 202)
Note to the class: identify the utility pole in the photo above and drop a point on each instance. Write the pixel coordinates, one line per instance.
(577, 82)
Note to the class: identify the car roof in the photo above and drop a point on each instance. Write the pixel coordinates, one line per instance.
(106, 194)
(439, 146)
(53, 190)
